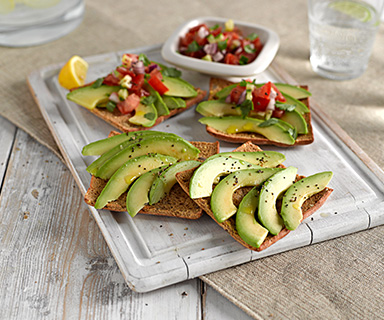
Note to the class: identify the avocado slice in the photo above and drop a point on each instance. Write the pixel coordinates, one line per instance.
(166, 145)
(174, 102)
(223, 93)
(265, 159)
(300, 107)
(145, 115)
(161, 107)
(123, 178)
(207, 174)
(217, 108)
(164, 182)
(300, 191)
(179, 88)
(295, 119)
(230, 125)
(90, 97)
(247, 226)
(270, 191)
(137, 196)
(222, 196)
(132, 139)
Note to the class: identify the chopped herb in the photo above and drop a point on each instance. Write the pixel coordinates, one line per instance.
(244, 83)
(222, 45)
(293, 132)
(111, 106)
(98, 83)
(216, 26)
(243, 60)
(143, 57)
(268, 122)
(150, 116)
(252, 36)
(246, 106)
(285, 106)
(148, 100)
(249, 49)
(193, 47)
(171, 72)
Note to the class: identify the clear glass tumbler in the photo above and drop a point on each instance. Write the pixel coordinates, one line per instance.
(341, 34)
(33, 22)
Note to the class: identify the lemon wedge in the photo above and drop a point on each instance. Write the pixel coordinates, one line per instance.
(73, 73)
(353, 9)
(7, 6)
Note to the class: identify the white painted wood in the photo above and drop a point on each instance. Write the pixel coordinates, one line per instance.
(132, 241)
(54, 262)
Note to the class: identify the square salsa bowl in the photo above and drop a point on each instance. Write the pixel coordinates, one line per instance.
(269, 39)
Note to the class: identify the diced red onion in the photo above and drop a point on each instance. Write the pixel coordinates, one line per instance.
(202, 33)
(114, 97)
(217, 56)
(228, 99)
(210, 48)
(272, 101)
(242, 97)
(152, 67)
(138, 67)
(238, 51)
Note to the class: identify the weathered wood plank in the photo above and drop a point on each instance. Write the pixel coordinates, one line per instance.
(53, 259)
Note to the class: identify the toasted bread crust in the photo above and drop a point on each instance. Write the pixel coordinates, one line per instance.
(218, 84)
(309, 206)
(176, 204)
(121, 121)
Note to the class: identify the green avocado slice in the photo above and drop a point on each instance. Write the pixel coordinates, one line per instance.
(222, 196)
(123, 178)
(166, 145)
(230, 125)
(164, 182)
(252, 232)
(217, 108)
(207, 174)
(179, 88)
(300, 191)
(145, 115)
(295, 119)
(137, 196)
(270, 192)
(300, 107)
(90, 97)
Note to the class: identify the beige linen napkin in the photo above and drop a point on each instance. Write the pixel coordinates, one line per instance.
(338, 279)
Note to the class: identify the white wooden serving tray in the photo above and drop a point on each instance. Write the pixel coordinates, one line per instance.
(153, 252)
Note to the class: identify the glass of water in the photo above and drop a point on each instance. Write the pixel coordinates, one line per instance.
(341, 34)
(32, 22)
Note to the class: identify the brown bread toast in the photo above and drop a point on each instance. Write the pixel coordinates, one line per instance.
(121, 122)
(309, 206)
(176, 204)
(218, 84)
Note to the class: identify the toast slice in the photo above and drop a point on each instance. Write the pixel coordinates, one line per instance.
(309, 207)
(121, 121)
(218, 84)
(176, 204)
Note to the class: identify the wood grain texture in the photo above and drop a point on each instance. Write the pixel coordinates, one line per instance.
(54, 262)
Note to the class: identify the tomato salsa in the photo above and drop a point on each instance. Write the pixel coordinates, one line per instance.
(223, 44)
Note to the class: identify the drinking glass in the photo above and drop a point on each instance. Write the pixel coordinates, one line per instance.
(33, 22)
(341, 34)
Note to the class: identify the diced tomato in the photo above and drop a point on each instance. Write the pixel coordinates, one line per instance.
(216, 32)
(137, 83)
(156, 73)
(277, 113)
(258, 45)
(111, 80)
(129, 104)
(236, 93)
(125, 71)
(279, 97)
(261, 97)
(197, 28)
(157, 84)
(231, 59)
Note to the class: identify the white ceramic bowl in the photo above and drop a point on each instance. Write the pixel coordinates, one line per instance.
(269, 39)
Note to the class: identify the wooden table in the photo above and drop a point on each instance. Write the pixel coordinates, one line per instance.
(54, 262)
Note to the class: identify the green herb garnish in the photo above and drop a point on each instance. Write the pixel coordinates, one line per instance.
(248, 49)
(246, 106)
(193, 46)
(171, 72)
(110, 106)
(293, 132)
(98, 83)
(252, 36)
(148, 100)
(216, 26)
(144, 59)
(268, 122)
(150, 116)
(222, 45)
(243, 83)
(285, 106)
(243, 60)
